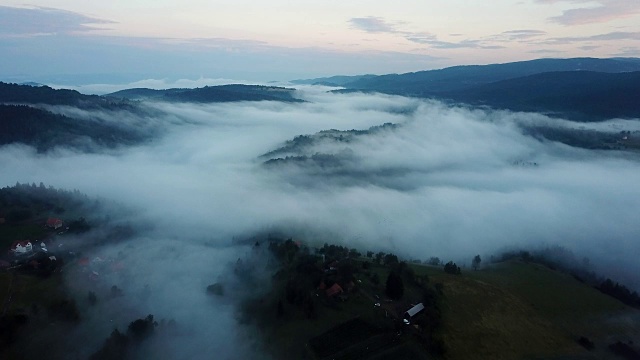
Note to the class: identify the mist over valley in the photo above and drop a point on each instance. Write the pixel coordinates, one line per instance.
(191, 181)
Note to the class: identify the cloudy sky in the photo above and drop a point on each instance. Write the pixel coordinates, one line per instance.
(279, 40)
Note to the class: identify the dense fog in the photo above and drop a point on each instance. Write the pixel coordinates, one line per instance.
(448, 181)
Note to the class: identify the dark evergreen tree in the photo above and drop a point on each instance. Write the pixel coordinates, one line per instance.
(395, 286)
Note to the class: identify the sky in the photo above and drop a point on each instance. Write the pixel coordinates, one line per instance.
(75, 41)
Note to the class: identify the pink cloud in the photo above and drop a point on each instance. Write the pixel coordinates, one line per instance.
(606, 11)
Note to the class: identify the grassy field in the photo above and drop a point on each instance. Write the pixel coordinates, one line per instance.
(10, 233)
(28, 290)
(516, 310)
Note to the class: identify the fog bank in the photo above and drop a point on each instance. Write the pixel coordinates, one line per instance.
(448, 182)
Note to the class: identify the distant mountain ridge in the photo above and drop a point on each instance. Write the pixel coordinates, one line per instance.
(582, 89)
(461, 77)
(465, 76)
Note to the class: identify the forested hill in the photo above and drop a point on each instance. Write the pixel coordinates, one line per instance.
(27, 94)
(579, 95)
(338, 80)
(45, 130)
(211, 94)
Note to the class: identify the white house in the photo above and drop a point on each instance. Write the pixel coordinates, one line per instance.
(409, 314)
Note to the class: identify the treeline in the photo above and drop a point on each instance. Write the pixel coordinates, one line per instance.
(583, 138)
(41, 95)
(301, 144)
(234, 92)
(23, 202)
(26, 94)
(620, 292)
(122, 345)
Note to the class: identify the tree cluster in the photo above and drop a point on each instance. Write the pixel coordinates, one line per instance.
(620, 292)
(118, 346)
(475, 263)
(452, 268)
(23, 202)
(45, 130)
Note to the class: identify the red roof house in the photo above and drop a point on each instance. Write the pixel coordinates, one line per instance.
(334, 290)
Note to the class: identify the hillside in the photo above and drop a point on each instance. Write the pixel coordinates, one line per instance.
(45, 130)
(580, 95)
(506, 310)
(515, 310)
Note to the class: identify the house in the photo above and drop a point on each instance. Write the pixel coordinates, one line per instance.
(331, 267)
(54, 223)
(21, 247)
(334, 290)
(411, 313)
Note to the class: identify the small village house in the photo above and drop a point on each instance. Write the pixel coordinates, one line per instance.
(21, 247)
(411, 313)
(54, 223)
(334, 290)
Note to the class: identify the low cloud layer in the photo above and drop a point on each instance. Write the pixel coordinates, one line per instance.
(448, 181)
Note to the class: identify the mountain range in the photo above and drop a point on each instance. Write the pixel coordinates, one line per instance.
(581, 89)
